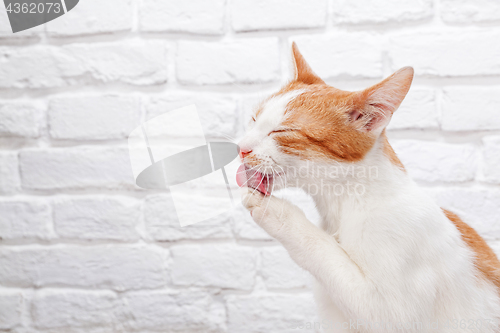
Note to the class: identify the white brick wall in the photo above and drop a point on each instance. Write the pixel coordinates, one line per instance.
(83, 250)
(22, 219)
(93, 18)
(9, 172)
(117, 267)
(366, 11)
(235, 61)
(277, 14)
(10, 309)
(470, 108)
(93, 117)
(197, 16)
(22, 120)
(470, 11)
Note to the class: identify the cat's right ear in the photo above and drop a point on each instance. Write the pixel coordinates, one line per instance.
(302, 71)
(377, 103)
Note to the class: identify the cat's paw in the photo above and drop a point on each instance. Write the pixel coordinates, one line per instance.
(270, 212)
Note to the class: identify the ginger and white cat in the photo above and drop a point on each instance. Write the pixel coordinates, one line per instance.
(386, 257)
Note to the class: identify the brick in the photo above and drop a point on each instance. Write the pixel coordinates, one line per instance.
(20, 69)
(76, 168)
(97, 217)
(11, 303)
(25, 219)
(280, 271)
(277, 14)
(471, 108)
(436, 161)
(470, 11)
(365, 11)
(93, 117)
(20, 120)
(103, 266)
(218, 114)
(418, 111)
(198, 16)
(336, 56)
(221, 265)
(477, 207)
(269, 313)
(64, 309)
(447, 54)
(93, 17)
(9, 172)
(173, 311)
(236, 61)
(491, 159)
(133, 62)
(162, 223)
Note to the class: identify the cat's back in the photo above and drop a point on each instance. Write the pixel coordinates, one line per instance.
(486, 260)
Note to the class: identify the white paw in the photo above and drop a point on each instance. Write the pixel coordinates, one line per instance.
(270, 212)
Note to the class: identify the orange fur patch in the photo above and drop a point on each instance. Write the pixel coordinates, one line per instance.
(486, 260)
(389, 152)
(319, 119)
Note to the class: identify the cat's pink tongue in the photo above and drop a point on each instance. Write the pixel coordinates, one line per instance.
(253, 179)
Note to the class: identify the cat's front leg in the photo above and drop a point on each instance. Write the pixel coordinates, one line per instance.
(315, 251)
(306, 243)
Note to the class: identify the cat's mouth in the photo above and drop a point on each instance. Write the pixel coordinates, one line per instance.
(247, 176)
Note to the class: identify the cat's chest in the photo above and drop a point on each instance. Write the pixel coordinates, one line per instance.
(352, 240)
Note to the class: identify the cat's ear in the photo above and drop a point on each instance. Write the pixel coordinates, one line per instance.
(377, 104)
(302, 71)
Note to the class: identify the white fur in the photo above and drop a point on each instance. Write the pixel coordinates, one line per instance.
(388, 255)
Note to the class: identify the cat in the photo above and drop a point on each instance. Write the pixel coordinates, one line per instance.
(386, 257)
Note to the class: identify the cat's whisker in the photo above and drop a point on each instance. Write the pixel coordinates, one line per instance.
(248, 178)
(281, 175)
(249, 169)
(282, 170)
(246, 175)
(225, 136)
(256, 187)
(284, 187)
(269, 199)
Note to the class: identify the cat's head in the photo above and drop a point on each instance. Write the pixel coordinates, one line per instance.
(310, 122)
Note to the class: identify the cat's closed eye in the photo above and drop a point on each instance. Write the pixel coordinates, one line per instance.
(283, 130)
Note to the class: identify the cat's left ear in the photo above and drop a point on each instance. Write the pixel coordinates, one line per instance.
(302, 71)
(378, 103)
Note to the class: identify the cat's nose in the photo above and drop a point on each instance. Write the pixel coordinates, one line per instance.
(244, 152)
